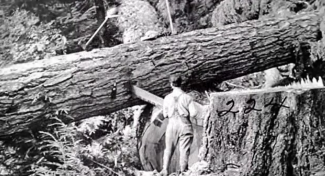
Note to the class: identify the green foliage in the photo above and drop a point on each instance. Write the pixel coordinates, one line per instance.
(91, 125)
(117, 149)
(186, 15)
(32, 30)
(42, 9)
(27, 39)
(64, 150)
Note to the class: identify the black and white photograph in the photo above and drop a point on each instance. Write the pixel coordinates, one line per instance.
(162, 88)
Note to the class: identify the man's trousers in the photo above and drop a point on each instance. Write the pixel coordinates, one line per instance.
(182, 133)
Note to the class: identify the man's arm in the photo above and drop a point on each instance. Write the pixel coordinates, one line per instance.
(165, 107)
(192, 109)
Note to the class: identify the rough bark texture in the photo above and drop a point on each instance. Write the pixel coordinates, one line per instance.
(237, 11)
(82, 83)
(137, 17)
(249, 133)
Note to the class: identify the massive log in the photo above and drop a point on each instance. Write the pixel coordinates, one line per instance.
(266, 133)
(83, 83)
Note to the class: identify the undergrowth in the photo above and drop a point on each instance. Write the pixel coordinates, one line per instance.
(73, 149)
(65, 151)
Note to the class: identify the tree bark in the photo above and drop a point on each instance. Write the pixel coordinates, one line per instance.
(266, 133)
(83, 83)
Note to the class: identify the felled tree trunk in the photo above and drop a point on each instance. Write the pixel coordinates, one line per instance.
(83, 83)
(266, 133)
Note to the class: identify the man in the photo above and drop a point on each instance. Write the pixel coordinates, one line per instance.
(178, 107)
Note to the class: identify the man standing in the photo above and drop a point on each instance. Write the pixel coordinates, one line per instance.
(178, 107)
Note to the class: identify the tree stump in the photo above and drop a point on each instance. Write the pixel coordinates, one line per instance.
(273, 132)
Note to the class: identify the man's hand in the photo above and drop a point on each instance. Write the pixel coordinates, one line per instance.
(112, 12)
(165, 108)
(192, 109)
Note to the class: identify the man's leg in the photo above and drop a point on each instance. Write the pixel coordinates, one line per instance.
(171, 139)
(185, 142)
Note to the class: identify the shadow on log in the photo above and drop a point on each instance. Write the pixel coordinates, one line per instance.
(273, 132)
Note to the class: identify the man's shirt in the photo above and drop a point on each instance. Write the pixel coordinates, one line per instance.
(184, 105)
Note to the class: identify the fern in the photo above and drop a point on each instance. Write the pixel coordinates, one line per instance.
(64, 150)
